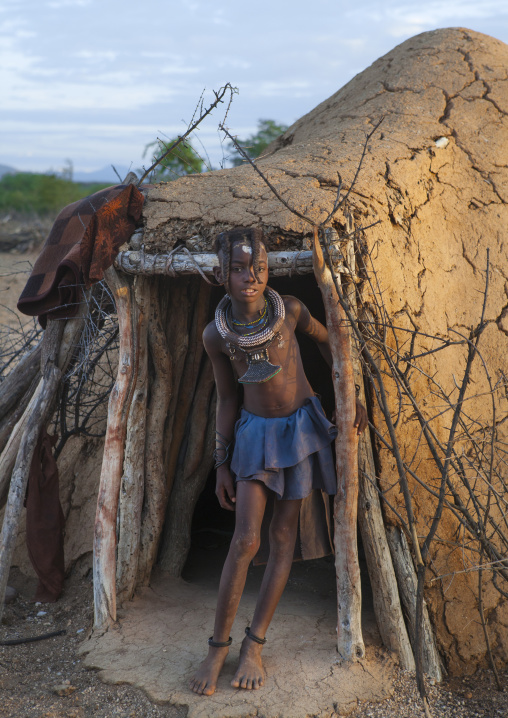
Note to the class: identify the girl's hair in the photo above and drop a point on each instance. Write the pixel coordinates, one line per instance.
(226, 240)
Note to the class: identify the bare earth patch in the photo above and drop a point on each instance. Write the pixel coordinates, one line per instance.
(47, 679)
(30, 673)
(162, 638)
(15, 268)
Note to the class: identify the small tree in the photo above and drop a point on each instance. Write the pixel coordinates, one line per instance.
(256, 144)
(183, 160)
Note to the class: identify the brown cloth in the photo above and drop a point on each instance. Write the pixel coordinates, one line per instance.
(83, 242)
(45, 521)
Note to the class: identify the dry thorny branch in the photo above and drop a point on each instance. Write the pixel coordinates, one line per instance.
(15, 341)
(469, 460)
(82, 406)
(224, 94)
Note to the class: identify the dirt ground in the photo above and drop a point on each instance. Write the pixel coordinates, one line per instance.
(14, 271)
(49, 679)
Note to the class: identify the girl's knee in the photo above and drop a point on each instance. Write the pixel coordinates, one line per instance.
(282, 538)
(245, 545)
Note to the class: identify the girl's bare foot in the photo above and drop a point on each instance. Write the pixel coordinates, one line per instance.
(250, 673)
(204, 681)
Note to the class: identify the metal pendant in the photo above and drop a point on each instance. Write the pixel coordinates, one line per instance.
(260, 369)
(232, 351)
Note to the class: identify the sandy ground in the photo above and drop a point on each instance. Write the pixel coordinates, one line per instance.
(20, 244)
(142, 665)
(14, 271)
(162, 638)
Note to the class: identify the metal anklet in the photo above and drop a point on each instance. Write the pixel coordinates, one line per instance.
(253, 637)
(219, 644)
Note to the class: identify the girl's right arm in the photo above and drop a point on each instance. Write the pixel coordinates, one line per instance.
(227, 408)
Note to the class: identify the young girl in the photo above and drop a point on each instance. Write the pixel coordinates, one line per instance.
(282, 441)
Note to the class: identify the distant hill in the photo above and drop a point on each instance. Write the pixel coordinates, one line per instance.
(105, 174)
(6, 170)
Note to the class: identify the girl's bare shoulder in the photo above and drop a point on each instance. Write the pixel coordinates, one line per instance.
(211, 338)
(292, 305)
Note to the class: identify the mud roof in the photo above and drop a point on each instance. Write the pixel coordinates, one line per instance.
(429, 92)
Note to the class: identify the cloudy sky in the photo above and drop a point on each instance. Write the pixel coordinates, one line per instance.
(94, 81)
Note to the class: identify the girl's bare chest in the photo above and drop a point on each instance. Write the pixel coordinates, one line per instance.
(282, 350)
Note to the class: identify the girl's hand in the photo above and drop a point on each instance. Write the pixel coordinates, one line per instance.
(225, 488)
(361, 418)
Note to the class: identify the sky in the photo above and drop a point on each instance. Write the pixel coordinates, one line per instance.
(95, 81)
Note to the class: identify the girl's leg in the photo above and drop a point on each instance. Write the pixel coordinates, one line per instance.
(251, 499)
(250, 507)
(283, 530)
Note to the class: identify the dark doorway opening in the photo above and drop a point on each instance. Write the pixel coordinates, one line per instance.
(213, 526)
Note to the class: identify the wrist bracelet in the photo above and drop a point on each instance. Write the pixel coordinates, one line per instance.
(219, 462)
(225, 446)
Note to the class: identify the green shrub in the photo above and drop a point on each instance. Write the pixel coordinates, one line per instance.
(41, 194)
(255, 145)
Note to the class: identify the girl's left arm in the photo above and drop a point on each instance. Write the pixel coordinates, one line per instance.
(309, 325)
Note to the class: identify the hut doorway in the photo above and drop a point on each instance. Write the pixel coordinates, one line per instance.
(212, 527)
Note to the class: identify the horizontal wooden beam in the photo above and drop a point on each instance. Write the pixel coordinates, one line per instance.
(181, 261)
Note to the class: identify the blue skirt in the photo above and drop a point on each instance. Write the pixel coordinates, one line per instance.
(291, 455)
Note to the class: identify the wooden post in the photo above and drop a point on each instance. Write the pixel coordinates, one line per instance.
(131, 492)
(180, 262)
(387, 608)
(39, 415)
(23, 378)
(11, 449)
(104, 551)
(58, 346)
(9, 422)
(180, 294)
(407, 581)
(196, 464)
(156, 495)
(349, 639)
(190, 372)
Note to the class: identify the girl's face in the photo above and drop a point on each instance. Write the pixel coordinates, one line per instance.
(243, 285)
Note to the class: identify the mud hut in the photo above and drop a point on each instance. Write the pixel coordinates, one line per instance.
(434, 181)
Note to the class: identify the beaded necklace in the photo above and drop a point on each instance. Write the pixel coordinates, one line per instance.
(254, 344)
(256, 326)
(254, 323)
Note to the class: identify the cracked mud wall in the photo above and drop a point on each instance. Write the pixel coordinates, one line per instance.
(436, 177)
(445, 204)
(442, 203)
